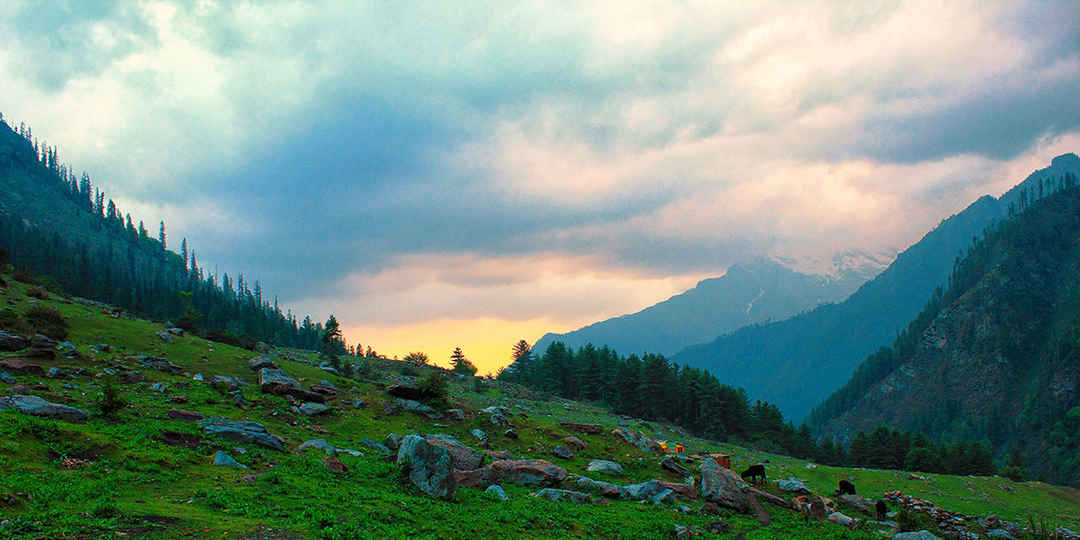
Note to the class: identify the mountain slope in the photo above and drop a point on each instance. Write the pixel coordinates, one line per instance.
(798, 362)
(998, 357)
(749, 293)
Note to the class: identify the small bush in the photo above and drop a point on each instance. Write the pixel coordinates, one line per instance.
(111, 401)
(435, 389)
(363, 369)
(242, 341)
(417, 358)
(50, 284)
(47, 320)
(1014, 473)
(24, 275)
(11, 321)
(409, 370)
(38, 293)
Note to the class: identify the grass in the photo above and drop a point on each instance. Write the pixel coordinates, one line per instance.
(149, 476)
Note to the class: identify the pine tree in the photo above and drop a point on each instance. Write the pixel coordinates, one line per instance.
(330, 344)
(460, 363)
(161, 235)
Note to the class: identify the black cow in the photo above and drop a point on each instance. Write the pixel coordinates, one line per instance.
(882, 510)
(754, 472)
(846, 488)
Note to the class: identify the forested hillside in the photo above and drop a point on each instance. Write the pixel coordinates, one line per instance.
(798, 362)
(62, 228)
(757, 291)
(996, 355)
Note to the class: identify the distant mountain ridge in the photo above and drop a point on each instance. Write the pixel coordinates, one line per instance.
(796, 363)
(751, 292)
(996, 357)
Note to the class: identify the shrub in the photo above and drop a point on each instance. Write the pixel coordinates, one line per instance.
(24, 275)
(1014, 473)
(111, 401)
(409, 370)
(50, 284)
(38, 293)
(236, 340)
(47, 320)
(435, 389)
(478, 385)
(11, 320)
(417, 358)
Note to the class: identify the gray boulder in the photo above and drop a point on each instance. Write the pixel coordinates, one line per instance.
(563, 495)
(638, 439)
(157, 364)
(36, 406)
(242, 431)
(392, 441)
(456, 414)
(671, 464)
(495, 491)
(918, 535)
(222, 459)
(312, 409)
(416, 407)
(319, 444)
(562, 452)
(165, 336)
(604, 466)
(260, 362)
(462, 457)
(13, 342)
(429, 466)
(528, 472)
(7, 377)
(792, 485)
(480, 436)
(276, 381)
(724, 487)
(1000, 534)
(605, 489)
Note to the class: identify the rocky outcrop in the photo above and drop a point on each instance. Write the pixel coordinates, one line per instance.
(429, 466)
(562, 452)
(604, 466)
(416, 407)
(638, 439)
(462, 457)
(36, 406)
(670, 464)
(242, 431)
(724, 487)
(260, 362)
(563, 495)
(277, 382)
(18, 366)
(13, 342)
(221, 459)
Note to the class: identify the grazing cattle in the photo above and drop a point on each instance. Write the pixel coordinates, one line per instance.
(846, 488)
(754, 472)
(882, 510)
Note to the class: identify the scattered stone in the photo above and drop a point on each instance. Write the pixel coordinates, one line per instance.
(225, 382)
(279, 383)
(325, 388)
(260, 362)
(456, 414)
(563, 495)
(710, 508)
(719, 527)
(562, 452)
(187, 416)
(604, 466)
(242, 431)
(669, 463)
(841, 519)
(496, 492)
(496, 455)
(416, 407)
(429, 466)
(6, 377)
(159, 387)
(510, 434)
(529, 472)
(12, 342)
(665, 496)
(312, 409)
(858, 502)
(376, 445)
(349, 451)
(36, 406)
(499, 420)
(462, 457)
(198, 377)
(101, 348)
(405, 391)
(480, 436)
(724, 487)
(18, 366)
(164, 336)
(319, 444)
(793, 485)
(392, 441)
(333, 464)
(176, 331)
(638, 439)
(919, 535)
(686, 531)
(574, 442)
(501, 411)
(222, 459)
(41, 347)
(131, 376)
(605, 489)
(359, 403)
(591, 429)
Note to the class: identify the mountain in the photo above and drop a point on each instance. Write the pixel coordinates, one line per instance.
(753, 292)
(798, 362)
(995, 357)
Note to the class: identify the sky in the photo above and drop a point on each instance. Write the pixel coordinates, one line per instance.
(470, 174)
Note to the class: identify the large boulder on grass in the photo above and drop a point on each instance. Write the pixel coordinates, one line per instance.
(461, 456)
(724, 487)
(13, 342)
(36, 406)
(638, 439)
(242, 431)
(528, 472)
(429, 466)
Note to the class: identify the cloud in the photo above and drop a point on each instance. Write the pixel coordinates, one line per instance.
(530, 156)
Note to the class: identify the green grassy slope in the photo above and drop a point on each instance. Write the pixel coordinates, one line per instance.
(139, 485)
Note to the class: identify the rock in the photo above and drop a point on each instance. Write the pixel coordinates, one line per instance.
(919, 535)
(222, 381)
(41, 347)
(605, 489)
(841, 519)
(349, 451)
(164, 336)
(510, 434)
(222, 459)
(669, 463)
(376, 445)
(480, 436)
(563, 495)
(6, 377)
(644, 490)
(319, 444)
(638, 439)
(501, 411)
(325, 388)
(159, 387)
(405, 391)
(260, 362)
(333, 464)
(475, 478)
(724, 487)
(359, 403)
(242, 431)
(66, 347)
(462, 457)
(591, 429)
(562, 452)
(12, 342)
(276, 381)
(392, 441)
(328, 367)
(859, 503)
(187, 416)
(719, 527)
(574, 442)
(528, 472)
(312, 409)
(456, 414)
(36, 406)
(999, 533)
(604, 466)
(793, 485)
(496, 492)
(665, 496)
(710, 508)
(686, 531)
(499, 420)
(18, 366)
(496, 455)
(176, 331)
(416, 407)
(198, 377)
(429, 466)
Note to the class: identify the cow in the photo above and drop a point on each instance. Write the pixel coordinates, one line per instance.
(882, 510)
(846, 488)
(753, 472)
